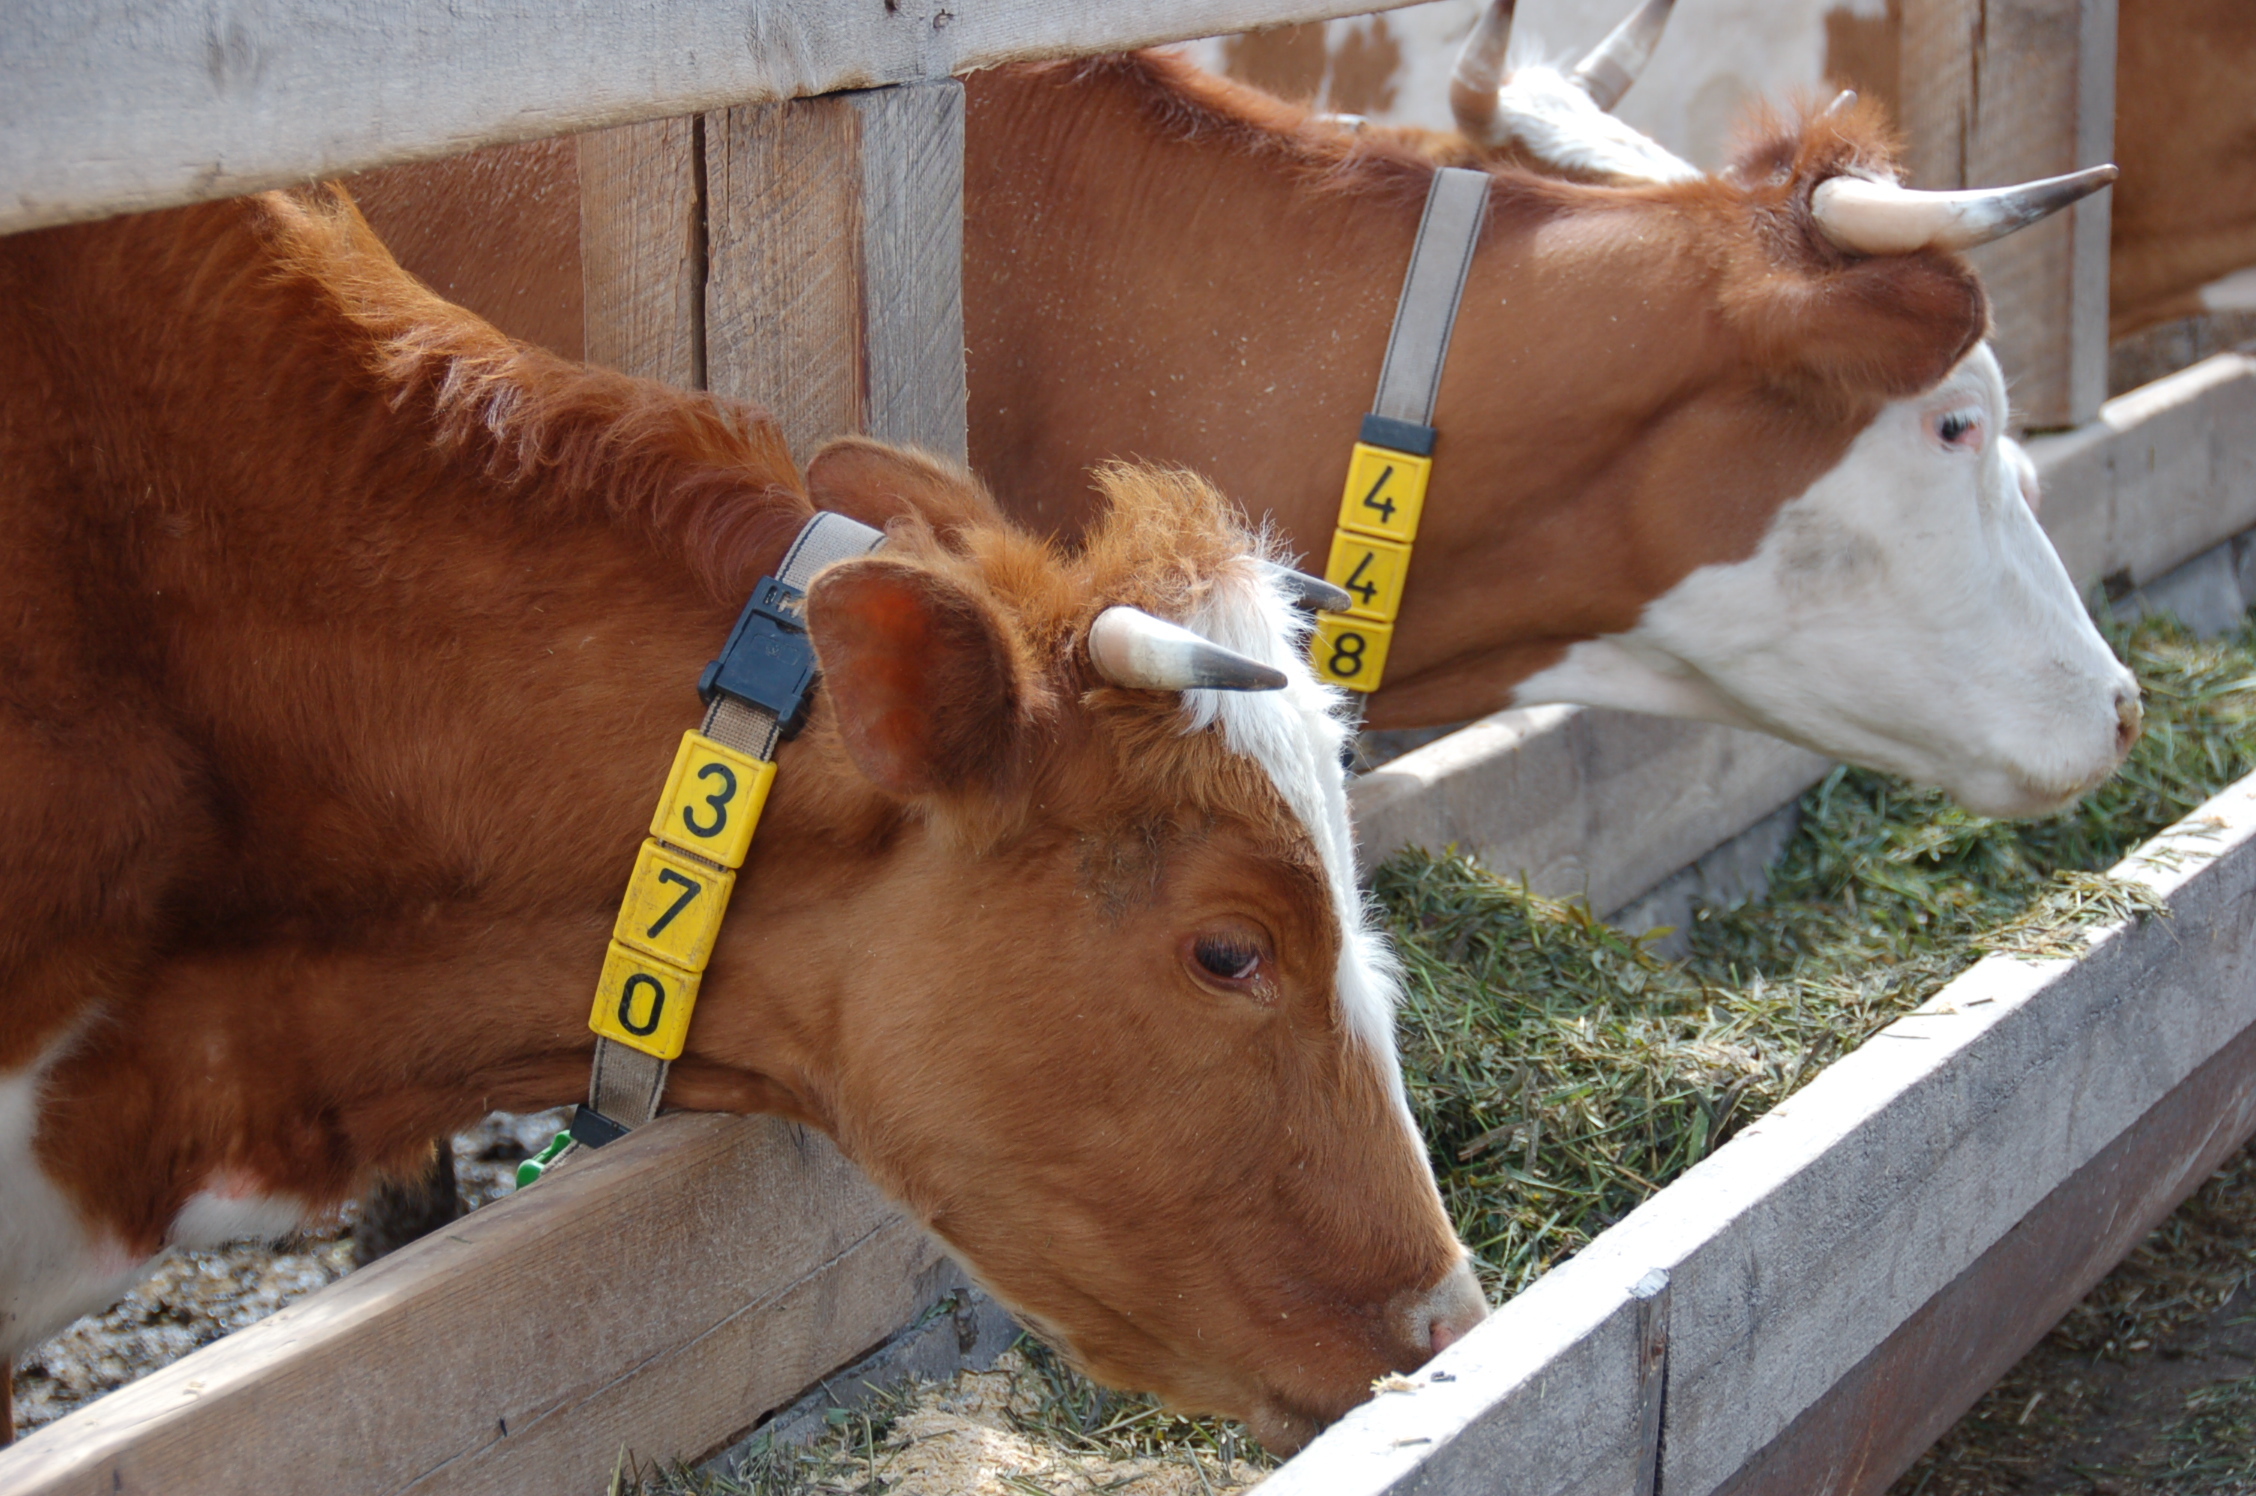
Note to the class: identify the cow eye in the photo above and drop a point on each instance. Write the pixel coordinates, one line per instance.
(1228, 958)
(1959, 430)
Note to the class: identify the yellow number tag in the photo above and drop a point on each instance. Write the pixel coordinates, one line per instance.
(1372, 570)
(713, 800)
(673, 907)
(643, 1003)
(1386, 492)
(1350, 651)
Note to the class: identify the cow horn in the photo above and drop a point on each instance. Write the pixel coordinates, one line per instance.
(1613, 65)
(1480, 71)
(1308, 591)
(1880, 218)
(1129, 647)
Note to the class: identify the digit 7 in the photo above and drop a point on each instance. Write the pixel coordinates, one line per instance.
(691, 888)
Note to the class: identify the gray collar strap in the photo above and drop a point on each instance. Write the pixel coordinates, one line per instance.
(1388, 471)
(679, 890)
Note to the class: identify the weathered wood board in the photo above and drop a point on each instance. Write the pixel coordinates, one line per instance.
(834, 264)
(111, 106)
(2028, 1099)
(657, 1296)
(2000, 91)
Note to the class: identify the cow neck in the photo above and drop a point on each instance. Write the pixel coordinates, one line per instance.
(755, 695)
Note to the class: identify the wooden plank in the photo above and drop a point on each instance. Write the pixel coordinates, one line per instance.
(642, 248)
(113, 106)
(2166, 472)
(834, 292)
(1874, 1423)
(657, 1296)
(1998, 91)
(1802, 1247)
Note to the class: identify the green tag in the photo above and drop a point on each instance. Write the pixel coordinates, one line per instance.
(532, 1168)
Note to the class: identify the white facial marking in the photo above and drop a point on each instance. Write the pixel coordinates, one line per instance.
(52, 1268)
(1555, 122)
(1906, 612)
(1297, 735)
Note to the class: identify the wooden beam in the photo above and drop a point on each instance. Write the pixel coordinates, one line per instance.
(834, 290)
(114, 106)
(642, 249)
(655, 1297)
(1873, 1424)
(1998, 91)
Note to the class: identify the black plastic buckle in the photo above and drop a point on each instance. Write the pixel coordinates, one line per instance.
(591, 1129)
(1398, 435)
(768, 660)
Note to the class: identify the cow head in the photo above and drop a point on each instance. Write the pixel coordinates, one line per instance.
(1815, 523)
(1113, 1021)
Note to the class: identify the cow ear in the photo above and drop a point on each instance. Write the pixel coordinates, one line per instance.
(1887, 326)
(921, 675)
(876, 483)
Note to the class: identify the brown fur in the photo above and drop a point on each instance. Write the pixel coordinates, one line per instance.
(1164, 264)
(347, 642)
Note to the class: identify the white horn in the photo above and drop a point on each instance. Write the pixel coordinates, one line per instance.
(1613, 65)
(1129, 647)
(1480, 72)
(1308, 591)
(1880, 218)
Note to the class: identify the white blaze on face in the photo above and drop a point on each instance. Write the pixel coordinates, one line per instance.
(1298, 736)
(1906, 613)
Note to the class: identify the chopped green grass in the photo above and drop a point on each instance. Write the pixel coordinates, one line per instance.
(1563, 1072)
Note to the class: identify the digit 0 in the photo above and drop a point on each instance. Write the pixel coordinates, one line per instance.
(718, 800)
(627, 1000)
(1346, 663)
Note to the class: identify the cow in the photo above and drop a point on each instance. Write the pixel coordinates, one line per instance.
(1702, 452)
(346, 645)
(2183, 217)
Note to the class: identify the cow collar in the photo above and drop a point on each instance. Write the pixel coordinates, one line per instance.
(1387, 472)
(755, 696)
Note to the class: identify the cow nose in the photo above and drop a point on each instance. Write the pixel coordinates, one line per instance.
(2128, 718)
(1448, 1310)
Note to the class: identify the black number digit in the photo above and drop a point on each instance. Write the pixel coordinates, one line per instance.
(1355, 582)
(1372, 500)
(626, 1004)
(1346, 663)
(719, 800)
(690, 887)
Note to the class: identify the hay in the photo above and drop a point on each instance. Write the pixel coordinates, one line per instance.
(1563, 1072)
(1028, 1427)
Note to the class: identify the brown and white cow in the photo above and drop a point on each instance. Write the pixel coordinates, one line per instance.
(1697, 456)
(346, 644)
